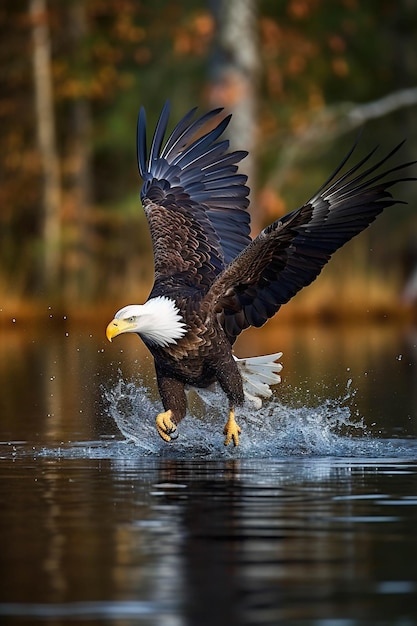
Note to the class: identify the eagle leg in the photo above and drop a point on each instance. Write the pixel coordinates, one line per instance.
(166, 426)
(231, 429)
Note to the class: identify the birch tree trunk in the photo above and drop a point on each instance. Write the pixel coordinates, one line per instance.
(45, 124)
(234, 76)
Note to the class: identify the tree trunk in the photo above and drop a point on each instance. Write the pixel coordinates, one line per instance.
(234, 76)
(78, 264)
(45, 123)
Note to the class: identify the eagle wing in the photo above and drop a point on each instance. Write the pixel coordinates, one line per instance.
(290, 253)
(194, 200)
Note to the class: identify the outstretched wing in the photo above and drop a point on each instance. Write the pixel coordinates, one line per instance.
(194, 199)
(290, 253)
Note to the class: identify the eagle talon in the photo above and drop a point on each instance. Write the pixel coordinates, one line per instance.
(231, 430)
(166, 427)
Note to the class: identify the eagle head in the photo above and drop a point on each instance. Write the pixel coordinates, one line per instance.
(158, 322)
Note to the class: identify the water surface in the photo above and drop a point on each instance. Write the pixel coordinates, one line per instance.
(312, 520)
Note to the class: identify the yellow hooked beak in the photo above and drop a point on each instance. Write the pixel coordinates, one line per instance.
(117, 327)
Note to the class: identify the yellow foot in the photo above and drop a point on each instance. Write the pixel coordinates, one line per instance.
(231, 430)
(165, 425)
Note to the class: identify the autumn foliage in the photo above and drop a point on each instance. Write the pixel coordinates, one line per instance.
(309, 62)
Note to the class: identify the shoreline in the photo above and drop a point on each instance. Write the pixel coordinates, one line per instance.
(15, 314)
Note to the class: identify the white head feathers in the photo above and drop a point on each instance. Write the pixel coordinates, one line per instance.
(158, 321)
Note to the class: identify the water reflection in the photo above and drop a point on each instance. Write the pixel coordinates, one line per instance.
(51, 384)
(257, 544)
(231, 542)
(98, 529)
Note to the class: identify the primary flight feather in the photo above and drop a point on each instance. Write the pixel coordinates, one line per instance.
(211, 279)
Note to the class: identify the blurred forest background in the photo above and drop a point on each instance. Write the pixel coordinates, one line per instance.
(301, 77)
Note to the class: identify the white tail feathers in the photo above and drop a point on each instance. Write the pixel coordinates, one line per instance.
(258, 373)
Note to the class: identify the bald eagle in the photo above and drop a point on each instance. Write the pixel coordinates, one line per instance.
(212, 280)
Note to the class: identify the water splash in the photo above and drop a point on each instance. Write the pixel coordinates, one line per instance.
(326, 429)
(294, 426)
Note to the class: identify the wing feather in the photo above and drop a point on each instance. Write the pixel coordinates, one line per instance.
(158, 136)
(184, 131)
(191, 184)
(290, 253)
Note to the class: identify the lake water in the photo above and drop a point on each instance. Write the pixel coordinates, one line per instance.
(311, 520)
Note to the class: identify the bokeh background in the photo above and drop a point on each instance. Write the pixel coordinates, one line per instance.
(301, 77)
